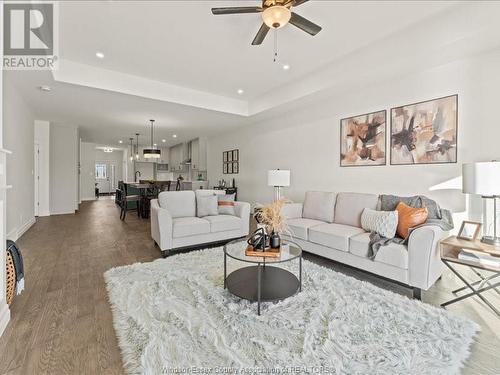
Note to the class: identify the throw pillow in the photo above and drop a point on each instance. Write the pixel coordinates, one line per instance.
(206, 206)
(384, 223)
(319, 205)
(226, 204)
(410, 217)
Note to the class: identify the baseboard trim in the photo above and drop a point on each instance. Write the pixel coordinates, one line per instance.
(4, 316)
(88, 199)
(62, 213)
(25, 227)
(16, 233)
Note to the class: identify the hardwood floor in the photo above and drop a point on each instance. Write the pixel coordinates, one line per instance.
(62, 323)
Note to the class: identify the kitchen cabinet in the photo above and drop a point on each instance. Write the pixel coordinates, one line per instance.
(178, 154)
(199, 154)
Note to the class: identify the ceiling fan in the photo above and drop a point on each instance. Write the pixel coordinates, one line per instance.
(275, 14)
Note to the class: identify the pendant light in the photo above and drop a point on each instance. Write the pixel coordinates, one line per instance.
(152, 152)
(131, 149)
(137, 146)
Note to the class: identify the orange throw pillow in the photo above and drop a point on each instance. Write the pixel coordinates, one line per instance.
(409, 217)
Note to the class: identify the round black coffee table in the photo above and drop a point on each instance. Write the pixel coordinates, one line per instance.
(262, 282)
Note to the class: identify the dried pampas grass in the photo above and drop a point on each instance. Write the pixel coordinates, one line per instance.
(270, 215)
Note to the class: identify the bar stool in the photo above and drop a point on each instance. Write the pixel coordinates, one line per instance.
(125, 199)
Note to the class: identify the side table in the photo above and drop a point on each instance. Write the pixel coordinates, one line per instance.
(450, 249)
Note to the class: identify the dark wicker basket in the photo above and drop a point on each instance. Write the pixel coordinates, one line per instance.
(11, 278)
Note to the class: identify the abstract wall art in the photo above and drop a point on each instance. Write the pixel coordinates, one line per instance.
(425, 132)
(363, 140)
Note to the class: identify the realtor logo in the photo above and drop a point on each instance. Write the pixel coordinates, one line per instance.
(29, 36)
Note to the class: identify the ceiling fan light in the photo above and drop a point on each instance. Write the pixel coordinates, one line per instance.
(276, 16)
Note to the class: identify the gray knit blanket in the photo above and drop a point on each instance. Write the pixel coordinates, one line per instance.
(437, 216)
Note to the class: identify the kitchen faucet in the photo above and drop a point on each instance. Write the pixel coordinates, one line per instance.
(135, 178)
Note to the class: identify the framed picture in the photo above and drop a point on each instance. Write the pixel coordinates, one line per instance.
(224, 156)
(224, 168)
(425, 132)
(229, 155)
(230, 168)
(469, 230)
(236, 167)
(363, 140)
(236, 155)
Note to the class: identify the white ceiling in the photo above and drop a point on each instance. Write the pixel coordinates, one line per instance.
(182, 43)
(176, 62)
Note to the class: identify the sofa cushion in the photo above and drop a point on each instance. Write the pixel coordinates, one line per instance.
(221, 223)
(350, 206)
(189, 226)
(384, 223)
(319, 205)
(178, 203)
(335, 236)
(409, 217)
(299, 227)
(206, 205)
(393, 254)
(226, 204)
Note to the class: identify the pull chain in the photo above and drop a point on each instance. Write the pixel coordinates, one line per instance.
(275, 45)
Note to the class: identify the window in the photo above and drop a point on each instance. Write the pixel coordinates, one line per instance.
(101, 172)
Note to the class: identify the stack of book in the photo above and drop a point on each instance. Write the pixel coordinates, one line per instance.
(484, 259)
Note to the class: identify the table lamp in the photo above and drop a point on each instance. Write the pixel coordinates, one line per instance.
(278, 178)
(484, 179)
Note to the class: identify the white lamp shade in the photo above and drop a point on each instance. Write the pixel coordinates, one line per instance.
(481, 178)
(278, 177)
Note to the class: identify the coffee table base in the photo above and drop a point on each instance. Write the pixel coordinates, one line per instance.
(262, 284)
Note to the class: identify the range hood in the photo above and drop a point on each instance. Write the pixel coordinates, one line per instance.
(188, 153)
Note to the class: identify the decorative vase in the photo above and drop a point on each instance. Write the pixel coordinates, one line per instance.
(275, 240)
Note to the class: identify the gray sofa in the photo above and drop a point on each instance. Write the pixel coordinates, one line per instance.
(175, 226)
(329, 225)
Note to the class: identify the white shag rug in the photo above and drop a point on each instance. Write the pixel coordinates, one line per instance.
(173, 316)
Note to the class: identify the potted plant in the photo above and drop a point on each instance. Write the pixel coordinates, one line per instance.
(271, 217)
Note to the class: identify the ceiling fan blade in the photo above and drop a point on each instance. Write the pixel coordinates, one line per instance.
(236, 10)
(296, 3)
(304, 24)
(261, 34)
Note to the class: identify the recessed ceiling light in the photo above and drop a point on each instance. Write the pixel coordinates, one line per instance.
(241, 92)
(174, 136)
(100, 55)
(154, 144)
(45, 88)
(163, 140)
(120, 141)
(286, 67)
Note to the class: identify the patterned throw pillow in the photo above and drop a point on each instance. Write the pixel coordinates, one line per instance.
(384, 223)
(226, 204)
(206, 206)
(410, 217)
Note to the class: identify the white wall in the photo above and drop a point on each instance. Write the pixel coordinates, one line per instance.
(307, 141)
(63, 169)
(87, 171)
(18, 137)
(42, 139)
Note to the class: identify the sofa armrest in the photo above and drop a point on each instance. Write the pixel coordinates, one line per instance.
(243, 212)
(292, 210)
(161, 226)
(424, 258)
